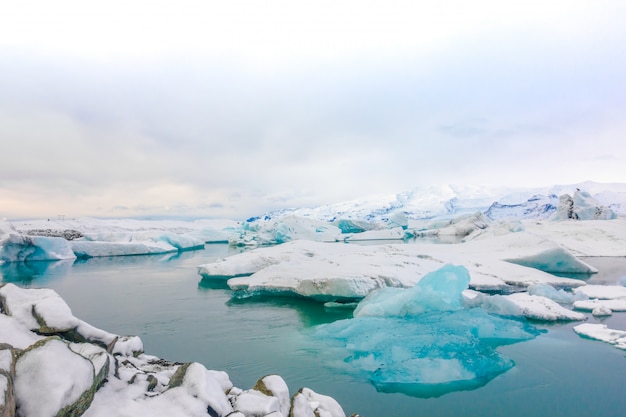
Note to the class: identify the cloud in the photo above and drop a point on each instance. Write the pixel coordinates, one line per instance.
(230, 110)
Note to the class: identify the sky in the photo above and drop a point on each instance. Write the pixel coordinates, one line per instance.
(233, 108)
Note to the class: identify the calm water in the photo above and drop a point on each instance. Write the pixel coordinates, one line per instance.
(181, 318)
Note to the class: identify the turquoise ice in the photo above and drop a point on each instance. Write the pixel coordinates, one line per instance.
(423, 341)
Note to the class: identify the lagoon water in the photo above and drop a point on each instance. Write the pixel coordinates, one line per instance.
(183, 318)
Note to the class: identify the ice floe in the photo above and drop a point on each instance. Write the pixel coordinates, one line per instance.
(603, 292)
(424, 341)
(337, 271)
(54, 364)
(602, 333)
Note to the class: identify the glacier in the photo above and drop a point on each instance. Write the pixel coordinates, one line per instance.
(424, 341)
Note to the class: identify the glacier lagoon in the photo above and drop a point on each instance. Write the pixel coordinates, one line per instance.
(183, 318)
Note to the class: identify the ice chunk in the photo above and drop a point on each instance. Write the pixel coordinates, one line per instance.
(603, 292)
(426, 355)
(602, 311)
(440, 290)
(284, 229)
(422, 341)
(560, 296)
(590, 305)
(622, 281)
(541, 308)
(15, 247)
(602, 333)
(582, 206)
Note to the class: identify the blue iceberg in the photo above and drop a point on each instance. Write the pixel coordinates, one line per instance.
(423, 341)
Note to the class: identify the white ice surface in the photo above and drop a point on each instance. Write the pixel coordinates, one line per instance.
(542, 308)
(590, 305)
(603, 292)
(337, 270)
(602, 333)
(15, 333)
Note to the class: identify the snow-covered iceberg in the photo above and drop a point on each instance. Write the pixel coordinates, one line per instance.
(15, 247)
(602, 333)
(53, 364)
(258, 232)
(338, 271)
(582, 206)
(423, 341)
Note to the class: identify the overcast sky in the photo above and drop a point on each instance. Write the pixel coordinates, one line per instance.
(231, 108)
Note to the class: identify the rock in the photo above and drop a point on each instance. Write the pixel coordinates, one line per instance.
(7, 374)
(53, 381)
(308, 403)
(253, 403)
(275, 386)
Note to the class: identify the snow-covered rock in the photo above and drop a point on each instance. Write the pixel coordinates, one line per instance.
(106, 375)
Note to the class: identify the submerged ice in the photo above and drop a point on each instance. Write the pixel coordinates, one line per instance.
(424, 341)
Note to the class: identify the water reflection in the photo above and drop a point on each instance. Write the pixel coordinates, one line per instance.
(36, 273)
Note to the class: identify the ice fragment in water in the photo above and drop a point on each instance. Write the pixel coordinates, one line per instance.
(422, 341)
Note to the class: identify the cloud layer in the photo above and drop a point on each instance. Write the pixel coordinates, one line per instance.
(200, 110)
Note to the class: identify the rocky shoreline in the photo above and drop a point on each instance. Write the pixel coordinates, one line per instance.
(53, 364)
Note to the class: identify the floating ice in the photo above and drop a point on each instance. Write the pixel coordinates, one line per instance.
(541, 308)
(335, 271)
(15, 247)
(602, 333)
(603, 292)
(422, 341)
(560, 296)
(437, 291)
(590, 305)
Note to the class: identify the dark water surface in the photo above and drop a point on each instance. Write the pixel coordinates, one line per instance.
(182, 318)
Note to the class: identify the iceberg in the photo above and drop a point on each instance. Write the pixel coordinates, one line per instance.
(602, 333)
(258, 232)
(423, 341)
(15, 247)
(339, 271)
(582, 206)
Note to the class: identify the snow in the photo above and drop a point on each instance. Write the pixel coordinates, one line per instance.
(603, 292)
(541, 308)
(582, 206)
(23, 305)
(17, 248)
(338, 271)
(602, 333)
(110, 237)
(590, 305)
(54, 375)
(15, 333)
(285, 229)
